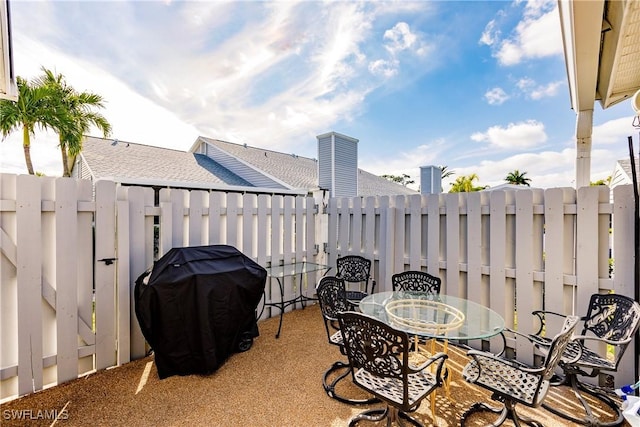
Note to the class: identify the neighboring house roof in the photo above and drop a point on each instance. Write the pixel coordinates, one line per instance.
(508, 186)
(622, 172)
(131, 163)
(298, 171)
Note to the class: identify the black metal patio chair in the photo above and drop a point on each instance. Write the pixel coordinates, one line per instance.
(379, 357)
(355, 270)
(611, 320)
(513, 382)
(332, 300)
(415, 280)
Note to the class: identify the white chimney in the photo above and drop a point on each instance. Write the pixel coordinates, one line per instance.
(430, 180)
(338, 164)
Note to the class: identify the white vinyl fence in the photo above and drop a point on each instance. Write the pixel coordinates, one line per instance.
(70, 253)
(54, 272)
(512, 251)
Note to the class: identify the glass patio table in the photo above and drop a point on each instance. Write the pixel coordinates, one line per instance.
(433, 316)
(279, 272)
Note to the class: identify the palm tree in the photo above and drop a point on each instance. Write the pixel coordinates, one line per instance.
(76, 115)
(445, 172)
(517, 178)
(464, 184)
(33, 108)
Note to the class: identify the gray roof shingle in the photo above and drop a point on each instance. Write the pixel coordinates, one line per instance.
(145, 162)
(137, 162)
(302, 172)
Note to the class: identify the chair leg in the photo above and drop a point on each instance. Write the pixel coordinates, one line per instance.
(377, 414)
(410, 419)
(390, 413)
(329, 388)
(508, 411)
(589, 419)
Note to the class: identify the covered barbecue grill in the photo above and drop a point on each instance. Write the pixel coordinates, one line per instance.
(197, 306)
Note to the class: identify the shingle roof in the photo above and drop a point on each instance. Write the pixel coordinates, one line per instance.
(144, 162)
(137, 162)
(302, 172)
(625, 164)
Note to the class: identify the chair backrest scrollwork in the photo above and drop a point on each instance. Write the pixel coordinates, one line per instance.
(374, 346)
(416, 281)
(613, 317)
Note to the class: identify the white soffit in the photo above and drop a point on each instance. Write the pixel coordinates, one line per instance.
(581, 23)
(619, 70)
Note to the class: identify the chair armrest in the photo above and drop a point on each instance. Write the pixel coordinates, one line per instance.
(483, 357)
(604, 340)
(541, 314)
(530, 338)
(439, 358)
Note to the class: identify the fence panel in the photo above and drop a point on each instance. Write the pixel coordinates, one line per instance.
(509, 250)
(105, 270)
(514, 251)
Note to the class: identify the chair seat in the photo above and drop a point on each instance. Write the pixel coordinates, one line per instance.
(336, 338)
(588, 358)
(356, 295)
(420, 384)
(506, 379)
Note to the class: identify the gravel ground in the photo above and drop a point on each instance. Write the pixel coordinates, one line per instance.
(278, 382)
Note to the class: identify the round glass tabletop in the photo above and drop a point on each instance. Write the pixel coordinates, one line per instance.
(429, 315)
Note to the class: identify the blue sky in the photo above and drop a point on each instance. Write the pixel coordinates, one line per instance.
(480, 87)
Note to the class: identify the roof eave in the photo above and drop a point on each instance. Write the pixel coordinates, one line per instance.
(581, 24)
(201, 185)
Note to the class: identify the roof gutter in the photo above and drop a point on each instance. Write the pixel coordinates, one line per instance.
(202, 186)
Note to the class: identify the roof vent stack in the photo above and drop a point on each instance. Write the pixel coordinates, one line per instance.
(338, 164)
(430, 180)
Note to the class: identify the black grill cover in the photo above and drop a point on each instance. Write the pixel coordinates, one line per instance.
(197, 306)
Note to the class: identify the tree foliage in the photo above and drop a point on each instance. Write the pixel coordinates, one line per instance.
(32, 109)
(465, 184)
(77, 115)
(518, 178)
(606, 181)
(403, 179)
(48, 102)
(445, 172)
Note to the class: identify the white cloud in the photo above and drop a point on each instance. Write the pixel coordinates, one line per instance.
(496, 96)
(546, 169)
(613, 132)
(384, 68)
(400, 38)
(490, 34)
(537, 91)
(525, 83)
(536, 36)
(548, 90)
(516, 136)
(406, 162)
